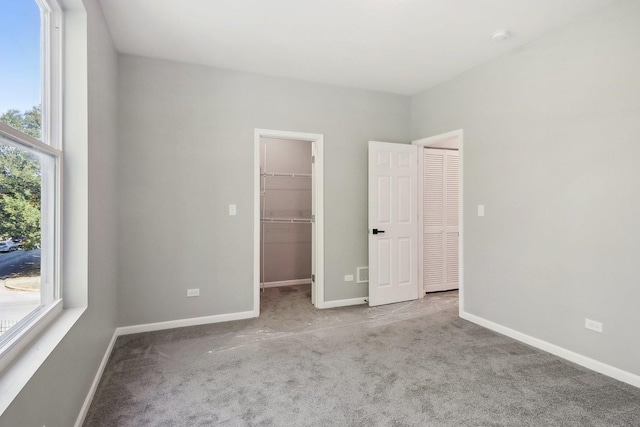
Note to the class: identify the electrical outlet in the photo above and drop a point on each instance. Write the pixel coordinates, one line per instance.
(593, 325)
(348, 278)
(193, 292)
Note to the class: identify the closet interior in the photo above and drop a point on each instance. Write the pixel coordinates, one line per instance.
(285, 212)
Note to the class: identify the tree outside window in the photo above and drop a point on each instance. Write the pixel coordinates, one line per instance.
(20, 184)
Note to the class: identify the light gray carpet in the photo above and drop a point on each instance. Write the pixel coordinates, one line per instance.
(408, 364)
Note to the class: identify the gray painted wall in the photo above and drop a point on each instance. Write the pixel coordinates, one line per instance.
(551, 147)
(54, 395)
(186, 152)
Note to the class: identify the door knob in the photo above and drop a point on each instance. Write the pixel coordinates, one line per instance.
(376, 231)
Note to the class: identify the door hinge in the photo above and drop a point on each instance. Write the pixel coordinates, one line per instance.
(313, 159)
(313, 218)
(313, 278)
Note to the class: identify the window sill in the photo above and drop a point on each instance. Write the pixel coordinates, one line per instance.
(15, 376)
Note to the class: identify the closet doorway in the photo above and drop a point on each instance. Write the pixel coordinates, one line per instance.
(288, 214)
(441, 213)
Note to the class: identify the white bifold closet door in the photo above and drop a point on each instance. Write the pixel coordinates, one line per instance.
(440, 216)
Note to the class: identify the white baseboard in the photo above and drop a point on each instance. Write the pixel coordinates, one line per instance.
(562, 352)
(286, 283)
(180, 323)
(344, 302)
(96, 380)
(134, 329)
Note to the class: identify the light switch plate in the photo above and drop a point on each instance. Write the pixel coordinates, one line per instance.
(232, 210)
(480, 210)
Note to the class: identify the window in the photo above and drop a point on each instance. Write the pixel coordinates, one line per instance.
(30, 170)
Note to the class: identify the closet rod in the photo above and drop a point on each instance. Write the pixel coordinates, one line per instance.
(287, 175)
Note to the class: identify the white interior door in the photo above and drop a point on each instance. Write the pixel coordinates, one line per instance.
(440, 219)
(393, 227)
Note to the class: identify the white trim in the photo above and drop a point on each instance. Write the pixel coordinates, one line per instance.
(96, 380)
(437, 139)
(22, 139)
(318, 194)
(51, 70)
(461, 224)
(32, 324)
(345, 302)
(181, 323)
(286, 283)
(256, 223)
(562, 352)
(425, 142)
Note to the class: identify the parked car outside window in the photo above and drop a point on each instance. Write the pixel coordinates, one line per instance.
(18, 241)
(7, 246)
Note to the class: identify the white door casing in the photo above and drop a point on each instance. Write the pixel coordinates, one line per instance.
(314, 227)
(440, 219)
(449, 140)
(317, 141)
(393, 254)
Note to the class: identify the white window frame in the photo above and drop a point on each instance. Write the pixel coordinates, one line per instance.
(28, 328)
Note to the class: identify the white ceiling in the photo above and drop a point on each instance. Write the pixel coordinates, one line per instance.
(398, 46)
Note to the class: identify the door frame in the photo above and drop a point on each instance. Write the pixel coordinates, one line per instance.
(445, 140)
(317, 193)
